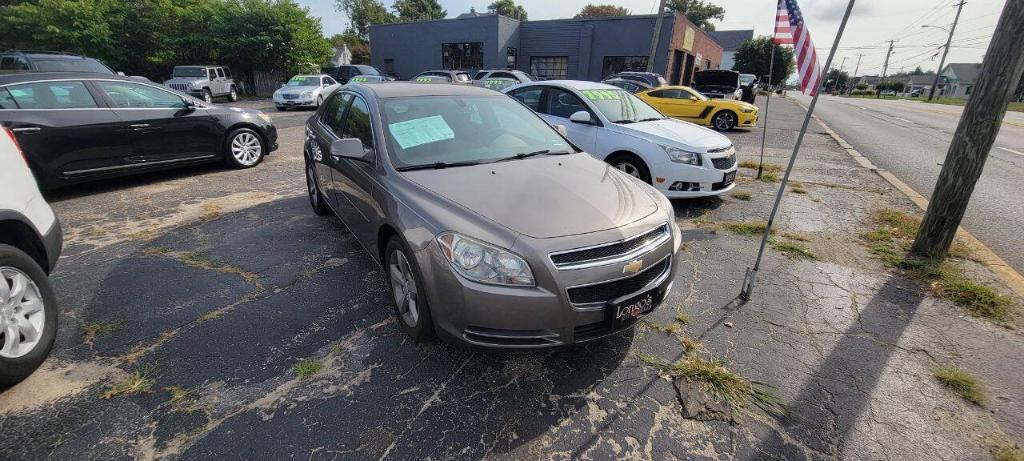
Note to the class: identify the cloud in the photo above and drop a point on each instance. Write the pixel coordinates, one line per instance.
(832, 10)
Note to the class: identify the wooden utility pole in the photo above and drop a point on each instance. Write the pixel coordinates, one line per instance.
(857, 68)
(942, 62)
(657, 35)
(1000, 71)
(885, 68)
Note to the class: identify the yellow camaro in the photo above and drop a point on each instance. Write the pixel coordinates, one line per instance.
(685, 103)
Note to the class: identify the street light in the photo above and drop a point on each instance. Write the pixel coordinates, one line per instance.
(937, 27)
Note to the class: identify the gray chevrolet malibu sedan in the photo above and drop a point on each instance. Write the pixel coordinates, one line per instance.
(492, 228)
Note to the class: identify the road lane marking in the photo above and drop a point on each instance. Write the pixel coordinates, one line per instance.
(1012, 151)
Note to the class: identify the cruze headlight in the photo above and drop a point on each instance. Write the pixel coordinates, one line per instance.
(484, 263)
(682, 156)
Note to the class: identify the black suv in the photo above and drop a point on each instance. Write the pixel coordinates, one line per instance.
(345, 73)
(49, 61)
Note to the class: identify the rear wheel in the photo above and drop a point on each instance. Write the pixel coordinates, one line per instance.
(319, 100)
(28, 315)
(243, 148)
(233, 95)
(316, 199)
(632, 166)
(724, 120)
(407, 291)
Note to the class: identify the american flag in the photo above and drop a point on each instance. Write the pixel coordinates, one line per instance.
(791, 30)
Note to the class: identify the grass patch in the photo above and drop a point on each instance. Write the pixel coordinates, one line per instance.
(714, 377)
(766, 168)
(92, 330)
(797, 187)
(962, 383)
(670, 328)
(690, 345)
(978, 299)
(769, 176)
(746, 228)
(793, 250)
(1008, 452)
(682, 318)
(306, 368)
(140, 382)
(184, 400)
(210, 212)
(796, 237)
(740, 195)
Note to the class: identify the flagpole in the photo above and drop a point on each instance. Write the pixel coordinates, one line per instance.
(768, 100)
(750, 280)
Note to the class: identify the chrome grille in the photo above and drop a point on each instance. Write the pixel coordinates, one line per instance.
(724, 163)
(290, 96)
(179, 86)
(611, 252)
(607, 291)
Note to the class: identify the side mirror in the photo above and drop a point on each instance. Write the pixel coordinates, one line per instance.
(693, 98)
(120, 73)
(189, 105)
(581, 117)
(351, 148)
(562, 131)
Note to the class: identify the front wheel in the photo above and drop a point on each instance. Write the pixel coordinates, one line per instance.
(631, 166)
(724, 121)
(233, 95)
(319, 100)
(208, 96)
(407, 291)
(243, 148)
(28, 315)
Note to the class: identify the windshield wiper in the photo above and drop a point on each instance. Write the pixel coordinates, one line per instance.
(531, 154)
(436, 165)
(624, 122)
(651, 119)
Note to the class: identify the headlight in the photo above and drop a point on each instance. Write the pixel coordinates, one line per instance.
(747, 110)
(307, 93)
(484, 263)
(681, 156)
(264, 117)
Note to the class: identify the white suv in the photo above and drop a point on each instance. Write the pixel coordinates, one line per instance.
(678, 158)
(30, 242)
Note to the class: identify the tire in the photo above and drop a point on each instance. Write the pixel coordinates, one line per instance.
(207, 96)
(724, 120)
(233, 94)
(17, 364)
(244, 148)
(414, 318)
(632, 166)
(316, 199)
(319, 100)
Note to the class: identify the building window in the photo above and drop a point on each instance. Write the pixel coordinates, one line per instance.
(616, 64)
(462, 56)
(550, 67)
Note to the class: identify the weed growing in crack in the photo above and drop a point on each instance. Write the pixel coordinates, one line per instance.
(746, 228)
(797, 187)
(92, 330)
(795, 236)
(184, 400)
(1008, 453)
(715, 378)
(670, 328)
(306, 368)
(769, 176)
(962, 383)
(690, 345)
(741, 195)
(793, 250)
(139, 382)
(682, 318)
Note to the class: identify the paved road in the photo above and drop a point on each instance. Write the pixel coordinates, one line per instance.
(910, 139)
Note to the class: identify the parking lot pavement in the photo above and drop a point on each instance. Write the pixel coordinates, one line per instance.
(209, 313)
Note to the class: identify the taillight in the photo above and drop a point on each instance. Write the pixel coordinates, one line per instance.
(17, 146)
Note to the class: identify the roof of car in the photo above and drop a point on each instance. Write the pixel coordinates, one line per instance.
(20, 77)
(406, 89)
(578, 84)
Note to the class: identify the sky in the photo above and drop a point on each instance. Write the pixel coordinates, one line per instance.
(872, 24)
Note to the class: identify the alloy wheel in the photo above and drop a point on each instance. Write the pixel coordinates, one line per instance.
(246, 148)
(314, 196)
(403, 288)
(628, 168)
(21, 313)
(724, 121)
(208, 97)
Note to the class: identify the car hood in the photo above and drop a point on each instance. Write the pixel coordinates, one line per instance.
(677, 133)
(544, 197)
(726, 78)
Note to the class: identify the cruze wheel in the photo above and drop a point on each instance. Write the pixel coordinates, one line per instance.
(631, 166)
(316, 199)
(28, 315)
(724, 121)
(406, 292)
(243, 148)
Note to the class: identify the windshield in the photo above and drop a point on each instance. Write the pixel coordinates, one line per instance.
(304, 80)
(746, 79)
(189, 72)
(430, 129)
(621, 106)
(367, 70)
(71, 65)
(695, 93)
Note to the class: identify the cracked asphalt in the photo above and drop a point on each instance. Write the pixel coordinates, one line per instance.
(206, 286)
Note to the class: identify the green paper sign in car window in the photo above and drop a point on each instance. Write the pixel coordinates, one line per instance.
(597, 95)
(419, 131)
(360, 79)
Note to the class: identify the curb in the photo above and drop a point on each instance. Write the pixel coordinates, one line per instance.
(1013, 279)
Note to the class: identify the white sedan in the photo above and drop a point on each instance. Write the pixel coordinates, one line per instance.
(678, 158)
(304, 91)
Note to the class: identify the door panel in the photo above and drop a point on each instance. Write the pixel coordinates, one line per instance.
(354, 179)
(558, 105)
(164, 129)
(328, 128)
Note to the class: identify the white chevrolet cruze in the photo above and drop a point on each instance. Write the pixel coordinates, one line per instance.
(678, 158)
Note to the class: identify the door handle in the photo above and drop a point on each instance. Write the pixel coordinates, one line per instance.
(30, 129)
(139, 125)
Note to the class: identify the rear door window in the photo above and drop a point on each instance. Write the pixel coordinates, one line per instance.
(334, 111)
(530, 97)
(52, 95)
(561, 103)
(128, 95)
(6, 100)
(357, 123)
(220, 72)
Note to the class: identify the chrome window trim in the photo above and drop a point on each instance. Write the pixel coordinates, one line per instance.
(613, 259)
(100, 79)
(597, 306)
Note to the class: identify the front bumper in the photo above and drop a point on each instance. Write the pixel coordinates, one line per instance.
(490, 316)
(746, 120)
(677, 180)
(281, 102)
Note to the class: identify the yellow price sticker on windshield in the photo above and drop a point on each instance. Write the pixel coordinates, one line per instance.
(424, 79)
(360, 79)
(601, 95)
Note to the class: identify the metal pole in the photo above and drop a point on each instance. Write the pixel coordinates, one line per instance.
(751, 277)
(768, 100)
(657, 35)
(942, 62)
(885, 68)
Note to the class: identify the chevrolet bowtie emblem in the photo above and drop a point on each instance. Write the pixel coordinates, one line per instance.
(633, 267)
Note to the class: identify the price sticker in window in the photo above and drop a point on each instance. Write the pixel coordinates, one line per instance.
(419, 131)
(601, 95)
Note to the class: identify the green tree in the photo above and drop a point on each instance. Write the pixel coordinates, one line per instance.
(837, 80)
(597, 11)
(754, 57)
(508, 8)
(418, 10)
(364, 13)
(75, 26)
(698, 12)
(268, 34)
